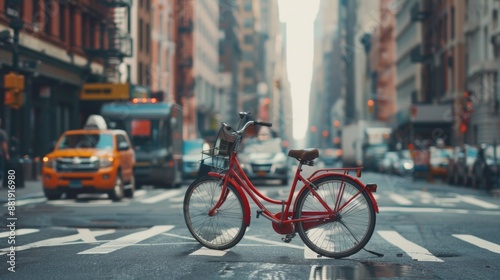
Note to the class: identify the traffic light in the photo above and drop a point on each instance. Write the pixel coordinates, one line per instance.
(14, 86)
(371, 105)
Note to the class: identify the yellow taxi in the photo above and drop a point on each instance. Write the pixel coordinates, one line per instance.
(90, 160)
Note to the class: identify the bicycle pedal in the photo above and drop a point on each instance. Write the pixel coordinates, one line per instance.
(286, 240)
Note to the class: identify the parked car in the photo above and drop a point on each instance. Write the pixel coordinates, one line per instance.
(462, 161)
(387, 163)
(486, 167)
(404, 165)
(264, 159)
(91, 160)
(438, 162)
(191, 156)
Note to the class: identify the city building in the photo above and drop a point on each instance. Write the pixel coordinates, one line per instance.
(60, 47)
(383, 64)
(325, 85)
(482, 35)
(230, 55)
(248, 98)
(162, 49)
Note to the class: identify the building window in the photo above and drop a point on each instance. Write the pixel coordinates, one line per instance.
(140, 73)
(248, 6)
(248, 89)
(36, 13)
(248, 72)
(72, 26)
(48, 18)
(248, 39)
(148, 75)
(452, 22)
(248, 22)
(62, 23)
(84, 28)
(248, 56)
(148, 38)
(140, 33)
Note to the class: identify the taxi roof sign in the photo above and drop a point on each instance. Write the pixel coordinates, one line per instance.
(95, 122)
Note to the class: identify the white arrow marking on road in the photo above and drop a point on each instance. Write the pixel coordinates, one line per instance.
(399, 199)
(57, 241)
(485, 244)
(22, 231)
(477, 202)
(127, 240)
(160, 197)
(415, 251)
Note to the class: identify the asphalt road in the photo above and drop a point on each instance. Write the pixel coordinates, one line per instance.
(424, 231)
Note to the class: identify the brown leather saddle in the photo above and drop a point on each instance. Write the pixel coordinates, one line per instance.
(305, 154)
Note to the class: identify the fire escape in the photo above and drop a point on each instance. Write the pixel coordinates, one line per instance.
(114, 42)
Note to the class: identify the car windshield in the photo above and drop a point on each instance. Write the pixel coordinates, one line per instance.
(490, 152)
(90, 141)
(376, 149)
(193, 147)
(405, 154)
(266, 146)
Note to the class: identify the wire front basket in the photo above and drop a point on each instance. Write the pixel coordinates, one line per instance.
(217, 158)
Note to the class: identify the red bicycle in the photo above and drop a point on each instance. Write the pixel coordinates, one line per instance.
(334, 213)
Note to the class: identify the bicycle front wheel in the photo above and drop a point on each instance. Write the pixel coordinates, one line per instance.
(351, 227)
(226, 227)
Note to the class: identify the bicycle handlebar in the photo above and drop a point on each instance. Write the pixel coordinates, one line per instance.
(263, 124)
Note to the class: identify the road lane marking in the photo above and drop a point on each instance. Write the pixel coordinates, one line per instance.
(127, 240)
(22, 231)
(399, 199)
(58, 241)
(478, 202)
(161, 196)
(22, 202)
(89, 203)
(209, 252)
(282, 244)
(485, 244)
(415, 251)
(86, 235)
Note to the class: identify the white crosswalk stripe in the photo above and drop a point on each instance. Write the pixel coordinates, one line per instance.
(127, 240)
(110, 245)
(490, 246)
(161, 196)
(414, 250)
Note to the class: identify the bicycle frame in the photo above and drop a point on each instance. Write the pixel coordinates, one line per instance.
(283, 222)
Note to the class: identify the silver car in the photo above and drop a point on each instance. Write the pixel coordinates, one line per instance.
(264, 159)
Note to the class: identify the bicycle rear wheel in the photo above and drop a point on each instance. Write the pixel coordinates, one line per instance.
(226, 227)
(346, 233)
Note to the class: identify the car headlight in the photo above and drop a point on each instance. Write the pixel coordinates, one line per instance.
(105, 162)
(49, 162)
(408, 165)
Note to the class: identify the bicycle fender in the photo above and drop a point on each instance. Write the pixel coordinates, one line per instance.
(340, 176)
(246, 205)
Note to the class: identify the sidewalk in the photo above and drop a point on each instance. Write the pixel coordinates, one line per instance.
(31, 189)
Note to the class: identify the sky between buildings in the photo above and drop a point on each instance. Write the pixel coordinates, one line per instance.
(299, 16)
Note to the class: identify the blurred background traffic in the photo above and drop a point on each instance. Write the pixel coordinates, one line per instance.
(407, 87)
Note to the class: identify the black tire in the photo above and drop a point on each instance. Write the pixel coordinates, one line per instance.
(117, 193)
(212, 231)
(129, 193)
(52, 195)
(343, 228)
